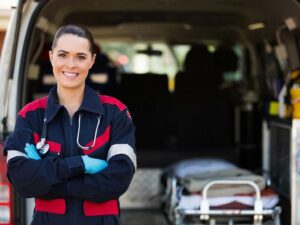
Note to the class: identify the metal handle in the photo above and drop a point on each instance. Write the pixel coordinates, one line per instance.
(258, 206)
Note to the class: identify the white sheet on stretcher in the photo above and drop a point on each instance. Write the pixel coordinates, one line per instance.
(269, 200)
(196, 182)
(193, 166)
(197, 172)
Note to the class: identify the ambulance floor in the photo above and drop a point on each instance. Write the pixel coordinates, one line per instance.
(143, 217)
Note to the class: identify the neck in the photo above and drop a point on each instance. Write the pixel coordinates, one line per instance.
(71, 99)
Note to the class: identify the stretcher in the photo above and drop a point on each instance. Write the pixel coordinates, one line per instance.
(246, 200)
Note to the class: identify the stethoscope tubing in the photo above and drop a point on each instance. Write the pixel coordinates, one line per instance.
(43, 147)
(95, 135)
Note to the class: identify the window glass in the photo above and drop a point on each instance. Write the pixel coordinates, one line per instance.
(141, 57)
(238, 74)
(180, 52)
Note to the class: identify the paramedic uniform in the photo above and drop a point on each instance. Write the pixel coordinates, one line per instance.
(64, 194)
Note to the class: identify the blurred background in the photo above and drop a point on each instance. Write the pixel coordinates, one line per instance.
(5, 11)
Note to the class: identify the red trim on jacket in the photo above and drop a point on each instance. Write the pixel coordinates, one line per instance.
(110, 207)
(57, 206)
(113, 101)
(100, 141)
(37, 104)
(53, 146)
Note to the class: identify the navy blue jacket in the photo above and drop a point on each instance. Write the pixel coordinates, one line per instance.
(63, 193)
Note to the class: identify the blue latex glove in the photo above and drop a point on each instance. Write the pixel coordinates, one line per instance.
(92, 165)
(31, 152)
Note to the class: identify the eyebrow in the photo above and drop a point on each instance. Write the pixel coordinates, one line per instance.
(63, 51)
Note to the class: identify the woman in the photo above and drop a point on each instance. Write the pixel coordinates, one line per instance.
(83, 158)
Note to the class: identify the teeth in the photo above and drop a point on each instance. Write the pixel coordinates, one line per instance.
(69, 74)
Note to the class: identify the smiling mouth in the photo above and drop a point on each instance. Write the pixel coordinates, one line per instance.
(70, 74)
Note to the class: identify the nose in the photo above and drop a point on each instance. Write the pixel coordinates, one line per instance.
(71, 63)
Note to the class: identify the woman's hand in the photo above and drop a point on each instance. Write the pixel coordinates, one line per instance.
(31, 152)
(92, 165)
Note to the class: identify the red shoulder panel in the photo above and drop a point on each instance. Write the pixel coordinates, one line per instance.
(37, 104)
(105, 99)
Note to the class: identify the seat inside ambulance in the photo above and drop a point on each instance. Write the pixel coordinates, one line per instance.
(147, 98)
(202, 108)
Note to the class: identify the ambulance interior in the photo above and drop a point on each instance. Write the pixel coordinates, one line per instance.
(198, 78)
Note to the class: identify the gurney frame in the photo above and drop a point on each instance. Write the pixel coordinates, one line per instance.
(206, 215)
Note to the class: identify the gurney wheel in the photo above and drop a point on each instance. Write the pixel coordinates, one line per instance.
(258, 219)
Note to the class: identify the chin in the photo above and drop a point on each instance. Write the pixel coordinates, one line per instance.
(71, 86)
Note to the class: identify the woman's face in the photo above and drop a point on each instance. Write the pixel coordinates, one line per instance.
(71, 60)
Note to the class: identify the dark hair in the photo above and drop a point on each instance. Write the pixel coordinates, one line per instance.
(77, 30)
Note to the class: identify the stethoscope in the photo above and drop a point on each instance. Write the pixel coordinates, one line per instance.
(43, 147)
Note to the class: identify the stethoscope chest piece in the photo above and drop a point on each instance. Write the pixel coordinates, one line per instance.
(42, 147)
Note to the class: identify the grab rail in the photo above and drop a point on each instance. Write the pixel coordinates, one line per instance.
(258, 205)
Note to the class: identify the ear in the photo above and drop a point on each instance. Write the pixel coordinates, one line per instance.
(93, 60)
(51, 56)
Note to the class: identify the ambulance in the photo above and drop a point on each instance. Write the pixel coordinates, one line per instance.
(202, 80)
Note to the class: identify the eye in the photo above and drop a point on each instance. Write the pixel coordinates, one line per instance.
(81, 57)
(62, 55)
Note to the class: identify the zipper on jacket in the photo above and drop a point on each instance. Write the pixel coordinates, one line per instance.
(71, 138)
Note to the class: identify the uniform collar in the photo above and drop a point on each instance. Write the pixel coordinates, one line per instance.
(90, 103)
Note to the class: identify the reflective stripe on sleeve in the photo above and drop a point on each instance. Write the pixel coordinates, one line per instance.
(125, 149)
(14, 153)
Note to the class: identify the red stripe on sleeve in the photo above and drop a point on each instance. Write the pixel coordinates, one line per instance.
(57, 206)
(113, 101)
(53, 146)
(101, 209)
(101, 140)
(37, 104)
